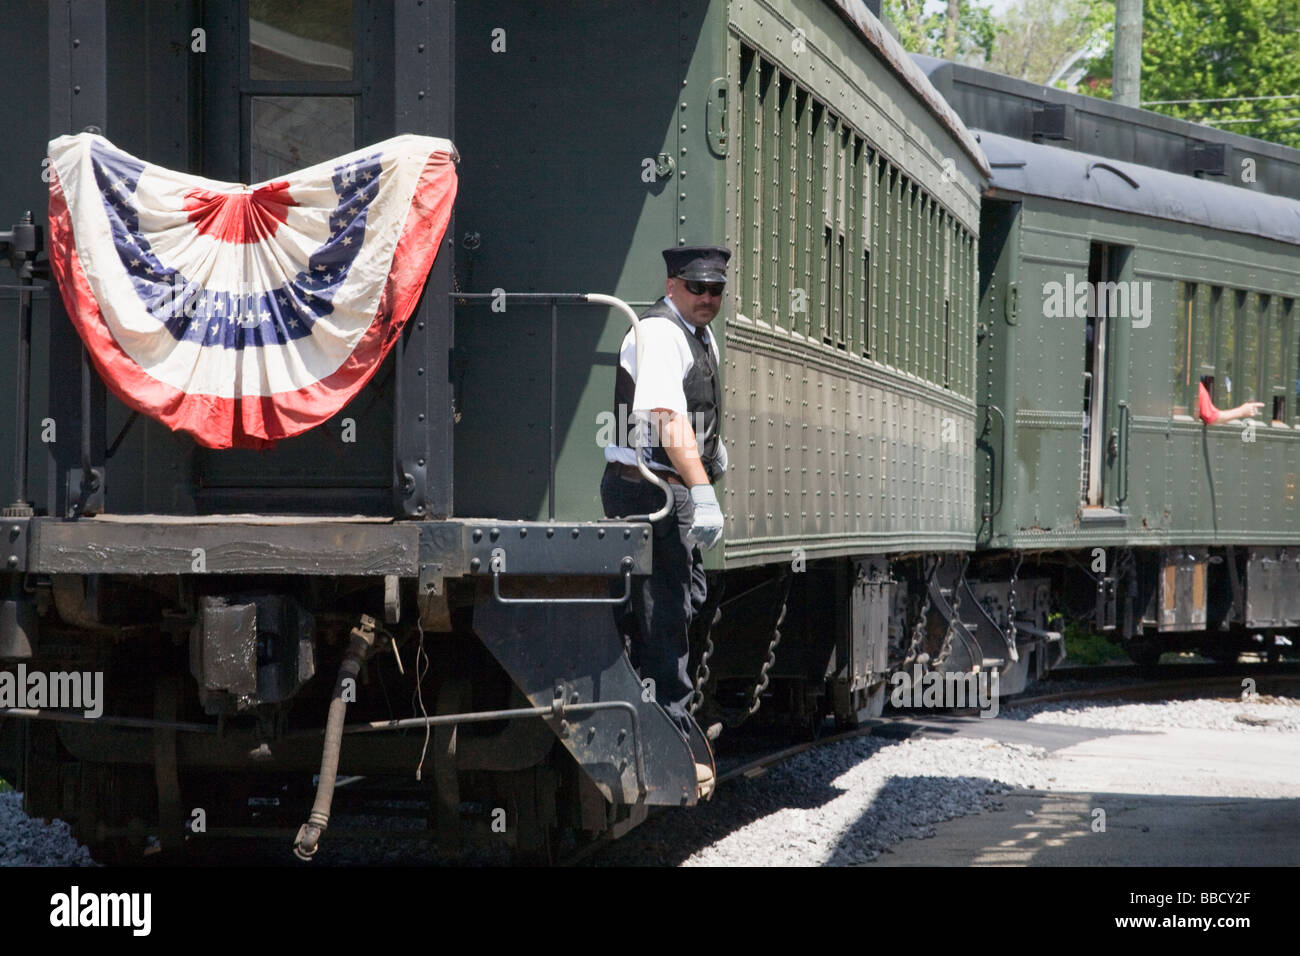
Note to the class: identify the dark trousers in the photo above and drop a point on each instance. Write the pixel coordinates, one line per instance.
(656, 623)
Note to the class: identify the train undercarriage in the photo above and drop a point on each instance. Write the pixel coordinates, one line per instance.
(509, 696)
(1218, 601)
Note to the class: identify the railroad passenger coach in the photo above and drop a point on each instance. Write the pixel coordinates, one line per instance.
(423, 576)
(1127, 259)
(1112, 293)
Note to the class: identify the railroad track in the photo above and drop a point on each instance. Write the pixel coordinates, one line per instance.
(1165, 680)
(1148, 683)
(1169, 671)
(385, 799)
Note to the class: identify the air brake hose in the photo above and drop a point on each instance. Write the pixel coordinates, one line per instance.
(307, 841)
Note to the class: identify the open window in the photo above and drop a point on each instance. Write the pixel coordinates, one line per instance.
(1184, 337)
(1104, 434)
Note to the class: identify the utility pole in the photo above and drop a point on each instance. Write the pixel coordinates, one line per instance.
(950, 30)
(1128, 52)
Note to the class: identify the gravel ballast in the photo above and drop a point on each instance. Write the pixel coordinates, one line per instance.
(28, 842)
(1261, 714)
(841, 804)
(848, 802)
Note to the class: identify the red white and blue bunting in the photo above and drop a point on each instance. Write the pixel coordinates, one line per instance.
(244, 314)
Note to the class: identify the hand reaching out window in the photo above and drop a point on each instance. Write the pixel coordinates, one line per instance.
(1213, 416)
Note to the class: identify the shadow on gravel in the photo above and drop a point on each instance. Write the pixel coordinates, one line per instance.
(805, 782)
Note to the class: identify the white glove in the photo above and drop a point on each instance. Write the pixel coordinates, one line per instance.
(706, 526)
(720, 460)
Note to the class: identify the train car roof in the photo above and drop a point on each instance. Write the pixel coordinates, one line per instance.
(1032, 169)
(1037, 113)
(892, 54)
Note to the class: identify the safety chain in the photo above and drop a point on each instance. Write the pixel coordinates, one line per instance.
(702, 673)
(735, 716)
(918, 629)
(771, 653)
(946, 649)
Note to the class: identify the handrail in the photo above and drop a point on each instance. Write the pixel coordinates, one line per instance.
(646, 473)
(1125, 426)
(19, 249)
(554, 299)
(1109, 168)
(500, 599)
(988, 516)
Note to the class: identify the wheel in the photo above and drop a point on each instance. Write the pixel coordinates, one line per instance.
(870, 704)
(1144, 653)
(532, 807)
(1222, 651)
(106, 806)
(12, 743)
(117, 804)
(45, 764)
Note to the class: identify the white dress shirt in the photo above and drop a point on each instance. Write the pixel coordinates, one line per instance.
(668, 360)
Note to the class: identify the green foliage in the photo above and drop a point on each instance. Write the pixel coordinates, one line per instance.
(1219, 49)
(1083, 646)
(1191, 50)
(1038, 38)
(5, 787)
(927, 33)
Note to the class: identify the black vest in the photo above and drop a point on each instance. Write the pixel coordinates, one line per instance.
(703, 395)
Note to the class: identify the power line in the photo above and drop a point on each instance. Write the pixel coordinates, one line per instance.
(1257, 116)
(1263, 119)
(1223, 99)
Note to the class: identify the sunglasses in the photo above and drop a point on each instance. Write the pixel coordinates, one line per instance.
(695, 287)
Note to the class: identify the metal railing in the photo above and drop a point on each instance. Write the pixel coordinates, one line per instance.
(555, 300)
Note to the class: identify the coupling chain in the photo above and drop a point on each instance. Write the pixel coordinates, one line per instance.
(1011, 606)
(918, 629)
(702, 673)
(946, 649)
(761, 686)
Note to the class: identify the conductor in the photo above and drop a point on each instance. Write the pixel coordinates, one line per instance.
(676, 399)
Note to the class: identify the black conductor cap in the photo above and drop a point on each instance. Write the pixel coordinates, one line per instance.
(704, 263)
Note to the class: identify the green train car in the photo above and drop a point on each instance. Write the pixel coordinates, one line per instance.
(851, 196)
(1110, 292)
(1126, 258)
(439, 540)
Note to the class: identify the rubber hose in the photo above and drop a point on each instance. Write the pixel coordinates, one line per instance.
(308, 839)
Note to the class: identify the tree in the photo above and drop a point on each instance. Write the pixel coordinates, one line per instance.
(1217, 52)
(964, 30)
(1036, 39)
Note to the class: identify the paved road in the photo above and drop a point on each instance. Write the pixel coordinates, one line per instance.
(1179, 797)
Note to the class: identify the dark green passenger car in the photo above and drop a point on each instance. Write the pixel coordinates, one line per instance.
(1111, 292)
(464, 478)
